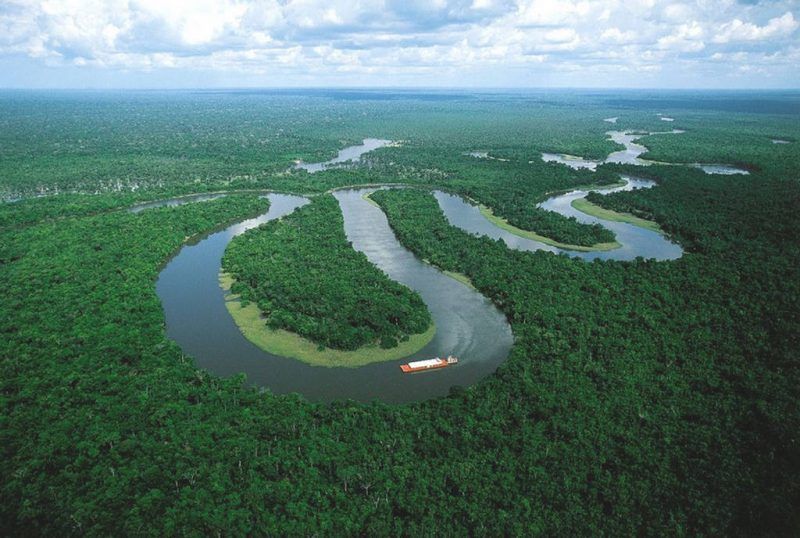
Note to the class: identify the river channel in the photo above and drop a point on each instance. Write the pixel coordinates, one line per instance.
(635, 241)
(632, 155)
(467, 324)
(350, 153)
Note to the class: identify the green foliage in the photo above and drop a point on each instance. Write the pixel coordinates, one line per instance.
(640, 398)
(306, 278)
(680, 376)
(563, 229)
(511, 188)
(173, 143)
(739, 140)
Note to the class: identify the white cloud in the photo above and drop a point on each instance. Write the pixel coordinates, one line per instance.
(737, 30)
(392, 38)
(615, 35)
(552, 12)
(561, 35)
(686, 38)
(677, 12)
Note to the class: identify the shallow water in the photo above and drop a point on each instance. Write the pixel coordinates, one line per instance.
(350, 153)
(635, 241)
(468, 325)
(722, 169)
(174, 202)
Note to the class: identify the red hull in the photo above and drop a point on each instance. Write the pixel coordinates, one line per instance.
(409, 370)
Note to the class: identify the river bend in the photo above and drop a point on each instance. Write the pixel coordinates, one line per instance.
(467, 324)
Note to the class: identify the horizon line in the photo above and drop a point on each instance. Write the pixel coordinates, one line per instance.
(402, 88)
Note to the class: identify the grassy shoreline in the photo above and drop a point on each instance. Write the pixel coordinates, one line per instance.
(585, 206)
(503, 224)
(287, 344)
(464, 279)
(369, 200)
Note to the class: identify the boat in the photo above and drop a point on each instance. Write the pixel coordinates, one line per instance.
(428, 364)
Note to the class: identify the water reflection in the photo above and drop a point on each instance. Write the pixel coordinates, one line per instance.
(350, 153)
(175, 202)
(635, 241)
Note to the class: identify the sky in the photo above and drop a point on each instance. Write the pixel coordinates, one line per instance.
(399, 43)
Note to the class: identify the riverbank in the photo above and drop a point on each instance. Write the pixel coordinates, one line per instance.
(585, 206)
(527, 234)
(287, 344)
(464, 279)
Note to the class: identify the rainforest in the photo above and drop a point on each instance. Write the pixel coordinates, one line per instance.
(305, 278)
(627, 333)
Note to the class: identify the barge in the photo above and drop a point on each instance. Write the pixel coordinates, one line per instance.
(428, 364)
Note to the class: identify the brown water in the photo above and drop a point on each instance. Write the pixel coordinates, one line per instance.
(635, 241)
(467, 324)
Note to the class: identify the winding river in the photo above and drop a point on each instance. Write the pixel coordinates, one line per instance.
(350, 153)
(635, 241)
(632, 155)
(468, 324)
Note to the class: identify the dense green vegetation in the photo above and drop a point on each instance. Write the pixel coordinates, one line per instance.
(579, 240)
(740, 140)
(687, 368)
(565, 229)
(175, 143)
(640, 398)
(511, 188)
(305, 277)
(590, 208)
(178, 142)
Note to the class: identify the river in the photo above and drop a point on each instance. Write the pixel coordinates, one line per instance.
(350, 153)
(467, 324)
(632, 155)
(636, 241)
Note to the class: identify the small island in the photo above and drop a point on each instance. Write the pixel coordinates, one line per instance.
(298, 289)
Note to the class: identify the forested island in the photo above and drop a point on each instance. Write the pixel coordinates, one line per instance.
(639, 397)
(303, 276)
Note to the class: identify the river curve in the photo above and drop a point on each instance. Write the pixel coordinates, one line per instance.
(468, 324)
(350, 153)
(632, 155)
(635, 241)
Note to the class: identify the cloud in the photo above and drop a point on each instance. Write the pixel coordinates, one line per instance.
(686, 38)
(737, 30)
(553, 12)
(389, 40)
(615, 35)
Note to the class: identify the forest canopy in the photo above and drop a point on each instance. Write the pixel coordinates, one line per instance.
(305, 277)
(640, 398)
